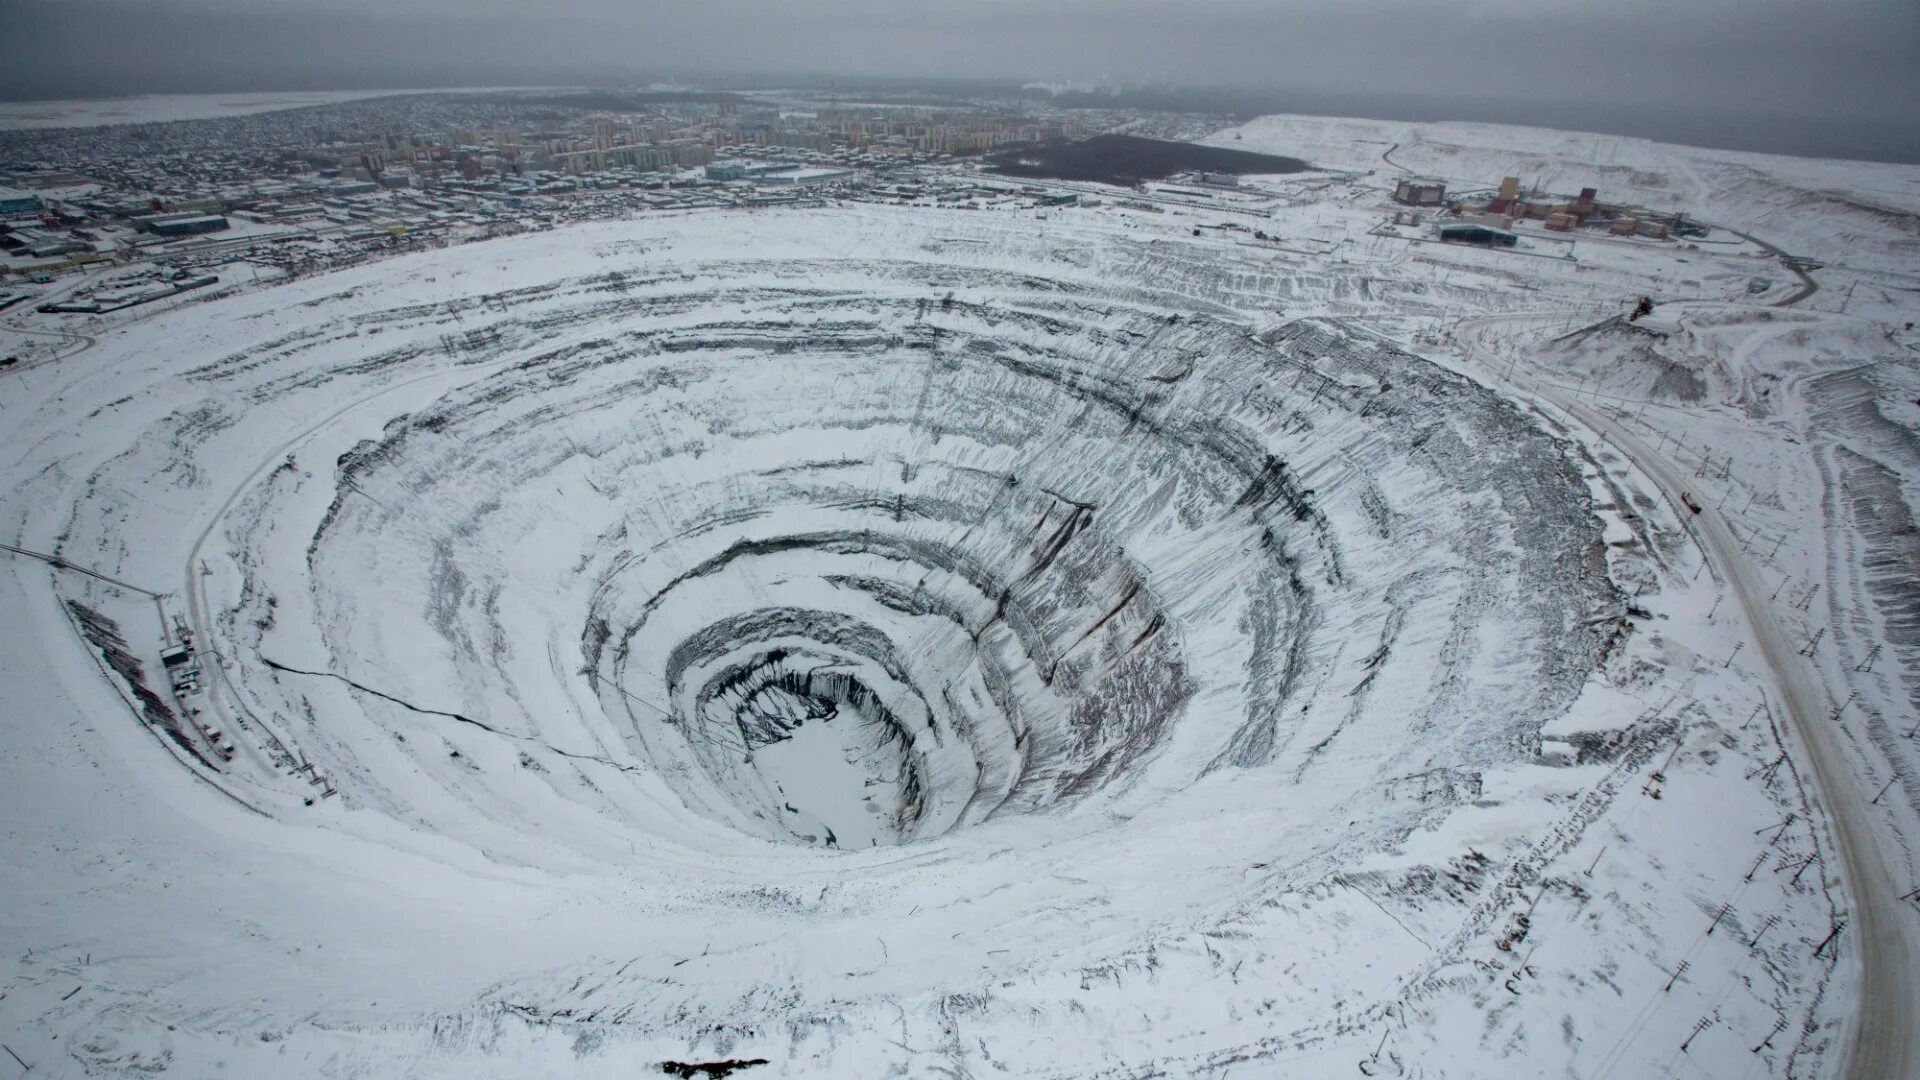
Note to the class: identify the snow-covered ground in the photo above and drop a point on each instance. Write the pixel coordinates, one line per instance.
(897, 641)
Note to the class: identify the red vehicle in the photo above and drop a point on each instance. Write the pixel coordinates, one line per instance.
(1687, 497)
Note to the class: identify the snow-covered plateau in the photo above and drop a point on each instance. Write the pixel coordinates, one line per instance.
(893, 641)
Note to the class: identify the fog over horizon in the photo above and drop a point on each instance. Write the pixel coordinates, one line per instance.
(1787, 76)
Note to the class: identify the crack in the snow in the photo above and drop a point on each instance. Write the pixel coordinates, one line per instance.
(483, 726)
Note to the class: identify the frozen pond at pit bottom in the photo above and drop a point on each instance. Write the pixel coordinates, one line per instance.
(835, 781)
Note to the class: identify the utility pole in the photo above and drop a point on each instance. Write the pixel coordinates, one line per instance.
(1661, 772)
(1719, 915)
(1677, 972)
(1778, 1027)
(1828, 940)
(1813, 644)
(1782, 831)
(1769, 768)
(1701, 1025)
(1803, 869)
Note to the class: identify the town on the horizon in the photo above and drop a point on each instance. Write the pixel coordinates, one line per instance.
(296, 191)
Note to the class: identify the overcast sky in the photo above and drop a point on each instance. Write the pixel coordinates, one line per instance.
(1852, 60)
